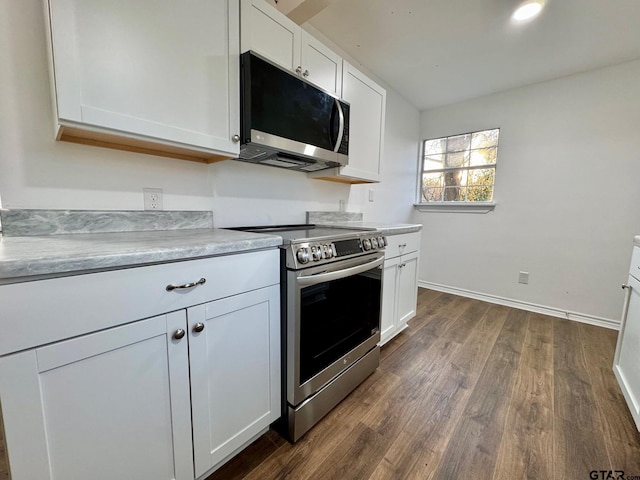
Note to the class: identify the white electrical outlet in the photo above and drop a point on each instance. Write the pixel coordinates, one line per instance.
(371, 195)
(152, 198)
(523, 277)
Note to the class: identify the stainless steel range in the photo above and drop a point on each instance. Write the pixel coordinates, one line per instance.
(331, 297)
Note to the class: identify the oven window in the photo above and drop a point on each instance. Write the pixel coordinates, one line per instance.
(336, 317)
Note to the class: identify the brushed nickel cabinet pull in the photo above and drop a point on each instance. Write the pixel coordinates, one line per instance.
(198, 327)
(171, 287)
(179, 334)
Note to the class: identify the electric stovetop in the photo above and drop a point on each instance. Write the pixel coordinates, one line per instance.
(306, 232)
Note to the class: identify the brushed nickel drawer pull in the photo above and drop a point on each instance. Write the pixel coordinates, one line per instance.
(179, 334)
(198, 327)
(202, 281)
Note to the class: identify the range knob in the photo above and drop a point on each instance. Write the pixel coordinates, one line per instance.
(382, 242)
(366, 244)
(316, 253)
(374, 242)
(327, 251)
(303, 255)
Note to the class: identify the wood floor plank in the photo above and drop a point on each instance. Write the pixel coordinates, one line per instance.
(256, 453)
(473, 447)
(408, 355)
(417, 451)
(365, 447)
(527, 442)
(620, 435)
(426, 299)
(578, 446)
(425, 313)
(299, 461)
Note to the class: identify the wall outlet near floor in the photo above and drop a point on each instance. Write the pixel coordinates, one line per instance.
(523, 277)
(152, 198)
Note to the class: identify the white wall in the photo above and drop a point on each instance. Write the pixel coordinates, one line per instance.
(38, 172)
(566, 192)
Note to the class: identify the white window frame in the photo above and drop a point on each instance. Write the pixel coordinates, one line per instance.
(452, 206)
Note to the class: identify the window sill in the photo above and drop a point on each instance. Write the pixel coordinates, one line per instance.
(458, 207)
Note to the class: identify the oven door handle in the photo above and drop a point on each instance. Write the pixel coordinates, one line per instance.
(306, 280)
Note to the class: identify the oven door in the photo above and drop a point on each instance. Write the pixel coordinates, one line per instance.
(333, 319)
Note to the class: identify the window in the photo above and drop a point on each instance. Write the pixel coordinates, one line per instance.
(460, 168)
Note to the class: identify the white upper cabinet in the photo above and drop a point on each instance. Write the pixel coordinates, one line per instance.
(320, 64)
(268, 32)
(154, 76)
(271, 34)
(366, 129)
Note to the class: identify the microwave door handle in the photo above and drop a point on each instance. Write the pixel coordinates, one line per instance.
(341, 126)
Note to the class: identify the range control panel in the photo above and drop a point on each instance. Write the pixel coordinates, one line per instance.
(316, 253)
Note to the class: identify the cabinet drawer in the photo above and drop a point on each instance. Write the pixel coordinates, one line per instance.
(402, 244)
(634, 269)
(44, 311)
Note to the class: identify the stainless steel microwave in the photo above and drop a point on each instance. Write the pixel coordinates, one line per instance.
(287, 122)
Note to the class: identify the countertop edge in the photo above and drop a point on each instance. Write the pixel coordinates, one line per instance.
(34, 267)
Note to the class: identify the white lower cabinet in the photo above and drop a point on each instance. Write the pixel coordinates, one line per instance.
(113, 404)
(627, 356)
(235, 373)
(168, 397)
(399, 284)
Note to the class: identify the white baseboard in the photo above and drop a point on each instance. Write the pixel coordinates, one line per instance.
(531, 307)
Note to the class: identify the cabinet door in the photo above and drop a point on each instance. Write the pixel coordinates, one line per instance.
(121, 66)
(389, 293)
(366, 125)
(235, 373)
(627, 358)
(113, 404)
(321, 65)
(407, 289)
(269, 33)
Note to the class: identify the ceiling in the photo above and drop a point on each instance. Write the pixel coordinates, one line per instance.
(437, 52)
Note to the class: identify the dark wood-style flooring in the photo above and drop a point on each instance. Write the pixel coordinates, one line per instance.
(469, 390)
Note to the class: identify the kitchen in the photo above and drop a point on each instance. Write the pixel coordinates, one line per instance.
(554, 236)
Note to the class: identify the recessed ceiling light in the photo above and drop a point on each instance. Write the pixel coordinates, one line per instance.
(527, 10)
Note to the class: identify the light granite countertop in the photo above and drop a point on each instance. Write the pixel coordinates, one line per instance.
(26, 258)
(384, 229)
(354, 220)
